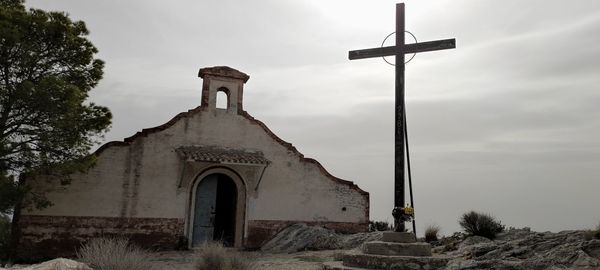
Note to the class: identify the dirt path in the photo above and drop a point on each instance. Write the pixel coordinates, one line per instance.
(307, 260)
(184, 260)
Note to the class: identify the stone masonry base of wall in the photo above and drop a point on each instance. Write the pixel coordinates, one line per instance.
(44, 237)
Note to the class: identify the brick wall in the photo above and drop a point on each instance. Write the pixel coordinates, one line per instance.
(52, 236)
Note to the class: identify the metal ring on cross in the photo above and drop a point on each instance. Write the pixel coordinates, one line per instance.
(385, 39)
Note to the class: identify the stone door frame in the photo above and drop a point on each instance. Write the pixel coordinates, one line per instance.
(240, 212)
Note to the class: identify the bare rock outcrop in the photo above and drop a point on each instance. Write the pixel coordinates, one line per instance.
(523, 249)
(56, 264)
(514, 249)
(299, 237)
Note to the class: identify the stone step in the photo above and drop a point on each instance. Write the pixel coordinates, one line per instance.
(397, 249)
(370, 261)
(338, 266)
(398, 237)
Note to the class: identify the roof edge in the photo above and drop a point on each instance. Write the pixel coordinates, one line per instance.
(223, 71)
(292, 148)
(144, 132)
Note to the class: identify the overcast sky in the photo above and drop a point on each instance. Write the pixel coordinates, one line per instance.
(508, 123)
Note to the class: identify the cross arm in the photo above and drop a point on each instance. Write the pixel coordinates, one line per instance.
(428, 46)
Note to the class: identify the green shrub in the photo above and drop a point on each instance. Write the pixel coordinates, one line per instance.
(431, 233)
(213, 256)
(479, 224)
(4, 237)
(114, 254)
(379, 226)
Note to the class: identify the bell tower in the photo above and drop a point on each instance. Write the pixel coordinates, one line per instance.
(223, 79)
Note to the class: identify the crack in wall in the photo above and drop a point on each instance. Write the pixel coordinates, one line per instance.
(137, 154)
(125, 185)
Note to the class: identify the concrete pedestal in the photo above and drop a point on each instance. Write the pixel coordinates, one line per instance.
(397, 251)
(398, 237)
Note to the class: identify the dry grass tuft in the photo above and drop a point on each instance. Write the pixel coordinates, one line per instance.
(114, 254)
(431, 233)
(593, 234)
(213, 256)
(480, 224)
(379, 226)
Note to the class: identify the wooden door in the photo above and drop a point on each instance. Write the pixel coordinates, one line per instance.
(205, 210)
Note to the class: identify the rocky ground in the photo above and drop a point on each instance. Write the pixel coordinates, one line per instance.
(522, 249)
(305, 248)
(183, 260)
(299, 237)
(512, 249)
(304, 260)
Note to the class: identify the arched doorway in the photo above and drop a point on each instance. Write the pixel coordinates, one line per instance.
(217, 209)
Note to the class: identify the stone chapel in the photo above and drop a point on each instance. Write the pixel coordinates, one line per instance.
(208, 174)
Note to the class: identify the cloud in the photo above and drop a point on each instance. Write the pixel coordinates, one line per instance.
(506, 123)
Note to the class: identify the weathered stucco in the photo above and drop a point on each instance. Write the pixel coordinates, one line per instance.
(143, 178)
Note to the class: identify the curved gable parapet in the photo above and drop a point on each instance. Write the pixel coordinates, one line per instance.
(146, 131)
(293, 149)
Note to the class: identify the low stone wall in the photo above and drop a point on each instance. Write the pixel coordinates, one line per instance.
(53, 236)
(261, 231)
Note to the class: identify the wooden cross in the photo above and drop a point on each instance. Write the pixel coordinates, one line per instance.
(399, 50)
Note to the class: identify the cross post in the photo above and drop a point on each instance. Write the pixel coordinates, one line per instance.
(400, 213)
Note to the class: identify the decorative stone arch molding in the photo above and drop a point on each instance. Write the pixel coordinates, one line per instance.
(249, 165)
(241, 202)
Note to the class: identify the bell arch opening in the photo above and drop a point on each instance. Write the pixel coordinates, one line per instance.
(222, 98)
